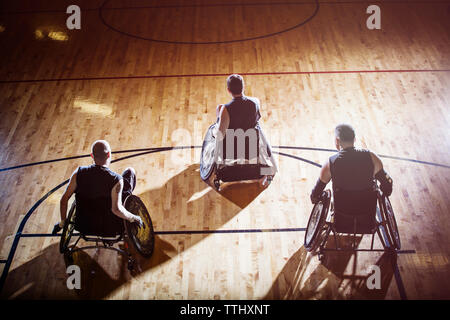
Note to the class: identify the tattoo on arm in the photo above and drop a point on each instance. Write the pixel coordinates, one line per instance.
(118, 188)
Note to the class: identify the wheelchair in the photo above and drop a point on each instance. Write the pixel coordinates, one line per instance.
(105, 235)
(221, 166)
(366, 212)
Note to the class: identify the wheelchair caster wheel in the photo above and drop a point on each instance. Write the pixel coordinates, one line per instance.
(130, 264)
(217, 184)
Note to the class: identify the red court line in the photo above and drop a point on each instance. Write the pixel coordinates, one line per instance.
(281, 73)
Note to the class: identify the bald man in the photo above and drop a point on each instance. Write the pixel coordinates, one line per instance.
(98, 181)
(351, 168)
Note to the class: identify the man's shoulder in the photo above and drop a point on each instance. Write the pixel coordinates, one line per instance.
(363, 150)
(84, 168)
(90, 169)
(253, 99)
(114, 174)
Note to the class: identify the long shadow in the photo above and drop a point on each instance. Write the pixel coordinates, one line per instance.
(303, 277)
(183, 203)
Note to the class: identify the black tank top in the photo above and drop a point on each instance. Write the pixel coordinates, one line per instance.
(93, 199)
(352, 170)
(244, 113)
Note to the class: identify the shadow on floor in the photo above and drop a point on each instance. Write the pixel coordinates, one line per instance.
(304, 277)
(182, 203)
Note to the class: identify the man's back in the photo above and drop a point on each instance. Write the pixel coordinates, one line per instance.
(243, 112)
(93, 198)
(352, 169)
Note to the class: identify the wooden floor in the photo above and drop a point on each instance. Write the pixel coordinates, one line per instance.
(125, 77)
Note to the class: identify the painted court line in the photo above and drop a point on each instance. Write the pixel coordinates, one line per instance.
(280, 73)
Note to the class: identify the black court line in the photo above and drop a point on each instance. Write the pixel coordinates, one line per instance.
(399, 281)
(274, 73)
(264, 36)
(188, 232)
(298, 158)
(232, 4)
(144, 150)
(231, 231)
(380, 155)
(158, 149)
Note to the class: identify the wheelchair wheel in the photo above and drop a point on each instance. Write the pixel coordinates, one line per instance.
(391, 222)
(143, 238)
(207, 157)
(69, 227)
(383, 224)
(317, 221)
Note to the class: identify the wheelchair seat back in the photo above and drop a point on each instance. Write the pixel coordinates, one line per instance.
(240, 156)
(94, 217)
(355, 211)
(240, 147)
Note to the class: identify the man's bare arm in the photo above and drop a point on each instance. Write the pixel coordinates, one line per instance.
(381, 175)
(224, 122)
(325, 173)
(71, 187)
(116, 206)
(377, 164)
(324, 178)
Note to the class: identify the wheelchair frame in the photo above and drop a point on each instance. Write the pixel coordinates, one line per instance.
(385, 228)
(209, 166)
(107, 242)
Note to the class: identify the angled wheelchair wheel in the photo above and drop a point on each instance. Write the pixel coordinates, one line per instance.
(391, 222)
(316, 222)
(207, 158)
(143, 238)
(69, 227)
(382, 221)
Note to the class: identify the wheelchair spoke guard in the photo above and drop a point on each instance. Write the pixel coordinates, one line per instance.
(391, 222)
(316, 222)
(143, 238)
(207, 158)
(68, 229)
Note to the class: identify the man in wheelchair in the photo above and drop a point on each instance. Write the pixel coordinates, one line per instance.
(353, 173)
(351, 168)
(99, 194)
(235, 147)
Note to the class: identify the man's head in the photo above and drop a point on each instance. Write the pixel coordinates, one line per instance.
(101, 152)
(345, 136)
(235, 84)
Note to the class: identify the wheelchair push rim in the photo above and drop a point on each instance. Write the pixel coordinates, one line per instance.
(316, 222)
(69, 227)
(207, 158)
(143, 239)
(391, 222)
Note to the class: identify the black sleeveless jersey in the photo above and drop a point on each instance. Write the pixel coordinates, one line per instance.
(244, 113)
(93, 199)
(352, 169)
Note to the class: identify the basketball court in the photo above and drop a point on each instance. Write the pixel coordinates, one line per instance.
(147, 76)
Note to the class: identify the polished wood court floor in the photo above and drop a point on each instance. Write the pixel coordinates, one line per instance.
(146, 74)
